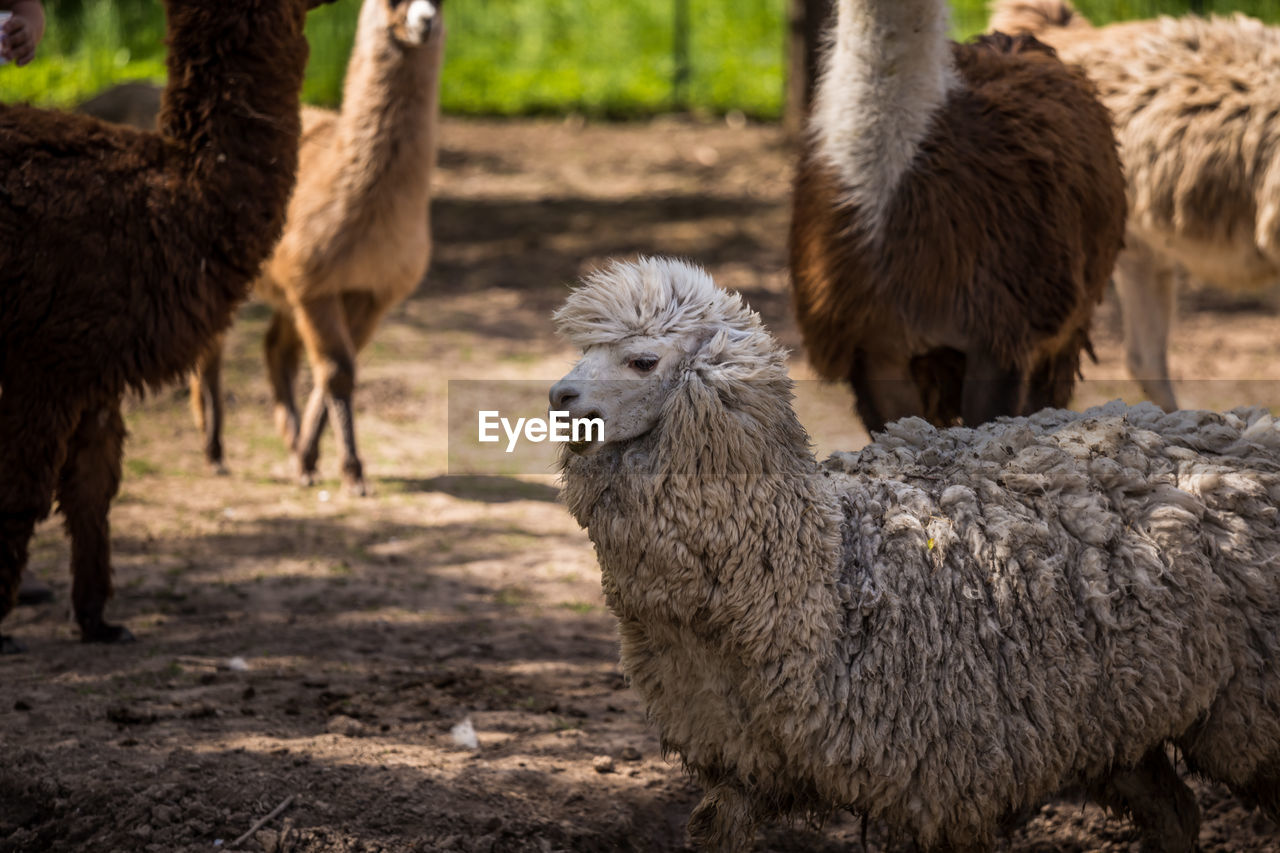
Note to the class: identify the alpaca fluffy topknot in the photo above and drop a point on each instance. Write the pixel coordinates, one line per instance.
(650, 298)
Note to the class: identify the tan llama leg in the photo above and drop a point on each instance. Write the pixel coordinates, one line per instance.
(323, 327)
(206, 402)
(1147, 292)
(281, 347)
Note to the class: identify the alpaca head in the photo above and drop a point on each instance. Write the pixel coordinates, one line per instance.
(410, 22)
(646, 329)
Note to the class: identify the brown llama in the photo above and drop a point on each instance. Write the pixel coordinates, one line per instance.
(957, 213)
(1195, 105)
(122, 253)
(357, 240)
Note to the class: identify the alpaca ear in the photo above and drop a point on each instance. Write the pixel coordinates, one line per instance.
(720, 345)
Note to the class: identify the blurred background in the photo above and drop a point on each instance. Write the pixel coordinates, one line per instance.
(601, 58)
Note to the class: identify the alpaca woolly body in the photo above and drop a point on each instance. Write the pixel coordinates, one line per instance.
(1194, 102)
(942, 630)
(956, 216)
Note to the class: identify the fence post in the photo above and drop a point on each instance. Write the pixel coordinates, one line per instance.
(680, 53)
(807, 20)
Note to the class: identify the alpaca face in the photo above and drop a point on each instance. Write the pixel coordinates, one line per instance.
(413, 21)
(623, 384)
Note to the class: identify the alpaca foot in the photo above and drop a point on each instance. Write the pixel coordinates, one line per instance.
(305, 473)
(10, 646)
(98, 630)
(353, 479)
(219, 469)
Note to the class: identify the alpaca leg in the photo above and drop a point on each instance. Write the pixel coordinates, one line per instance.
(723, 822)
(323, 327)
(1265, 791)
(990, 389)
(34, 428)
(1145, 286)
(884, 389)
(1054, 380)
(87, 483)
(206, 402)
(1163, 808)
(281, 347)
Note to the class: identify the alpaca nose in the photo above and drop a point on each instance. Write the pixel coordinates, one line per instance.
(562, 394)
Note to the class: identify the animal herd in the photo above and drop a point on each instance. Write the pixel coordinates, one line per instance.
(997, 602)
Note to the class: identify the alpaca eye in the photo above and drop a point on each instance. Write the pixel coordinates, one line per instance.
(643, 363)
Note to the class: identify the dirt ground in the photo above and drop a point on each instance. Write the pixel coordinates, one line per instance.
(301, 647)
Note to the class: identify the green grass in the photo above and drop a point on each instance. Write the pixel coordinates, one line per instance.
(599, 57)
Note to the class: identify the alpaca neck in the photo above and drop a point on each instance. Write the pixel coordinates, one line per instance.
(230, 124)
(745, 524)
(887, 74)
(390, 102)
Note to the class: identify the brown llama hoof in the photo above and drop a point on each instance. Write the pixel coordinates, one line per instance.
(98, 631)
(10, 646)
(219, 469)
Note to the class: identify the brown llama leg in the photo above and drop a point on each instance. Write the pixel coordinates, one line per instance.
(1147, 292)
(1053, 381)
(1162, 807)
(990, 389)
(1265, 790)
(323, 328)
(88, 481)
(280, 348)
(206, 402)
(34, 428)
(884, 389)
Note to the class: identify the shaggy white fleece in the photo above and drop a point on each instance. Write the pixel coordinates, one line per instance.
(942, 630)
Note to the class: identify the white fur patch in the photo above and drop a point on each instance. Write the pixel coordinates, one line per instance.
(421, 13)
(886, 75)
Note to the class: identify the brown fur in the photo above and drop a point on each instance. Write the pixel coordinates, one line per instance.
(1006, 227)
(121, 254)
(1196, 104)
(357, 240)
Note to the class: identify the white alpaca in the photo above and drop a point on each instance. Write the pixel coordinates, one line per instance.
(942, 631)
